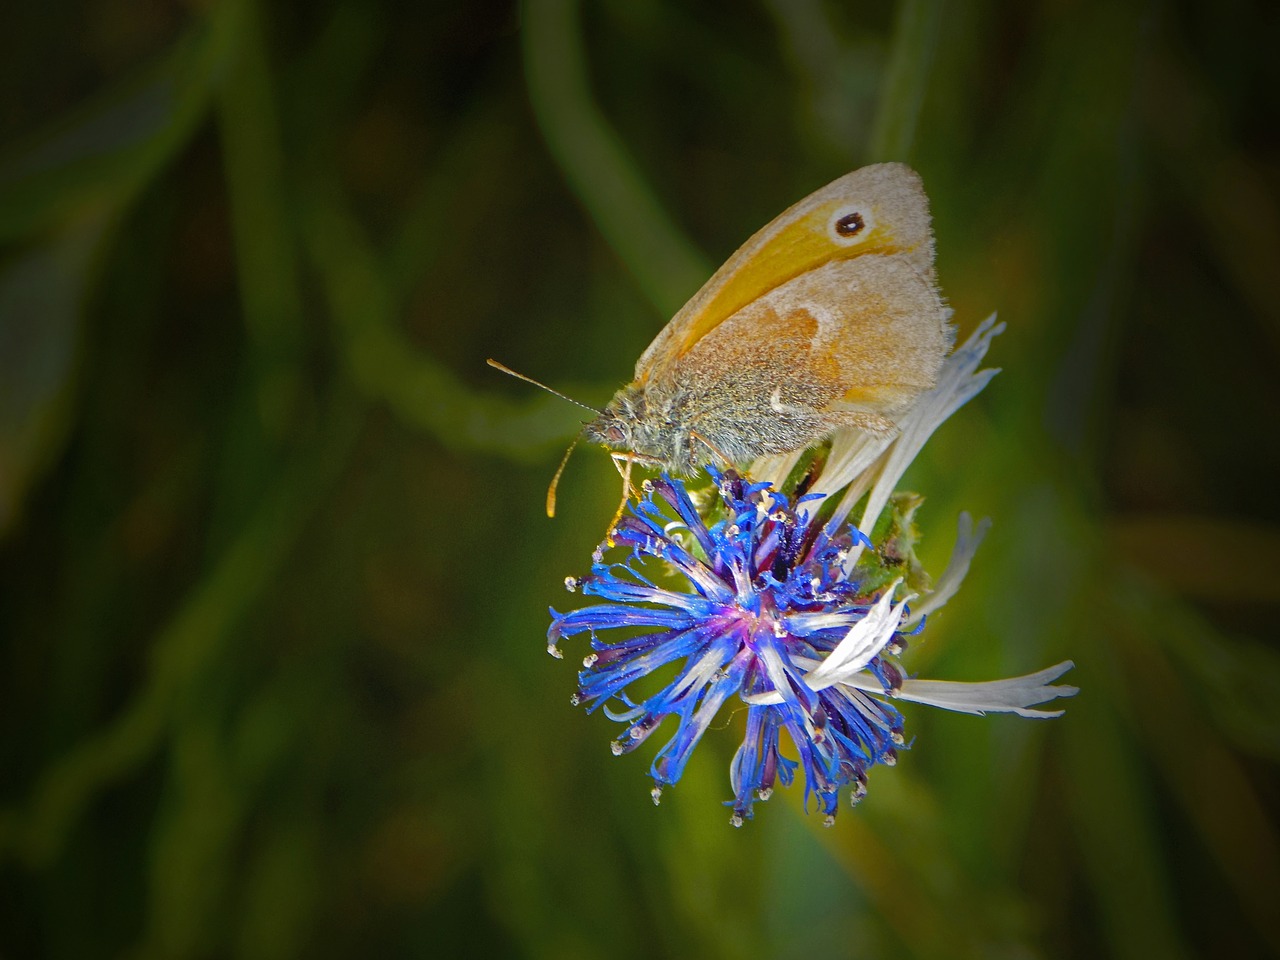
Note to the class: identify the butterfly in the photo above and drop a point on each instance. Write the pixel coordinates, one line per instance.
(827, 318)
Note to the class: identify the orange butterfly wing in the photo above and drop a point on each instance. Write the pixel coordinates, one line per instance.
(863, 335)
(878, 212)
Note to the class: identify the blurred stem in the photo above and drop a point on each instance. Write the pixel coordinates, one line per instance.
(1227, 192)
(421, 238)
(882, 875)
(1114, 811)
(1081, 399)
(666, 265)
(1170, 547)
(265, 261)
(386, 366)
(1245, 845)
(185, 648)
(92, 161)
(915, 41)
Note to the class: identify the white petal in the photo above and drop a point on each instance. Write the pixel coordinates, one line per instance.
(701, 673)
(776, 671)
(867, 638)
(806, 624)
(967, 540)
(622, 716)
(1013, 695)
(958, 383)
(853, 452)
(774, 468)
(861, 644)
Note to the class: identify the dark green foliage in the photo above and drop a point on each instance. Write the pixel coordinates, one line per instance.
(273, 564)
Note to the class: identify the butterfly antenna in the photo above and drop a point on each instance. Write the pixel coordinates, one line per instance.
(520, 376)
(555, 481)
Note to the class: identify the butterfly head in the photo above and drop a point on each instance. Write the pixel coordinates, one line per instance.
(631, 423)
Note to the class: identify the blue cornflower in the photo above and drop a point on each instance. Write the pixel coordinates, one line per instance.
(765, 601)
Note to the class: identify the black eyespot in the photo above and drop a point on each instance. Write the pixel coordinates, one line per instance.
(850, 225)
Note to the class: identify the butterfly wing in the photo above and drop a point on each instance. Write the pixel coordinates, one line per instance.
(874, 212)
(856, 336)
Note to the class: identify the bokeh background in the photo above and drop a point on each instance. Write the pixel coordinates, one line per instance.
(274, 569)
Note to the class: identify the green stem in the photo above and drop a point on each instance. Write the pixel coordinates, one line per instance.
(666, 265)
(915, 41)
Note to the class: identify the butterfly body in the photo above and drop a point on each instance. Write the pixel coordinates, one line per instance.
(680, 426)
(827, 318)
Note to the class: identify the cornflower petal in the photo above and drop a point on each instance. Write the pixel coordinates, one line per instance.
(968, 538)
(861, 644)
(1013, 695)
(958, 383)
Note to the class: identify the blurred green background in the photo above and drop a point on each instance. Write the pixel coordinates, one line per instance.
(273, 562)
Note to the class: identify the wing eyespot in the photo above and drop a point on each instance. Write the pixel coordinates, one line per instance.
(850, 224)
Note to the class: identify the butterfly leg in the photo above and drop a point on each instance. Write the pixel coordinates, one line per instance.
(622, 462)
(715, 451)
